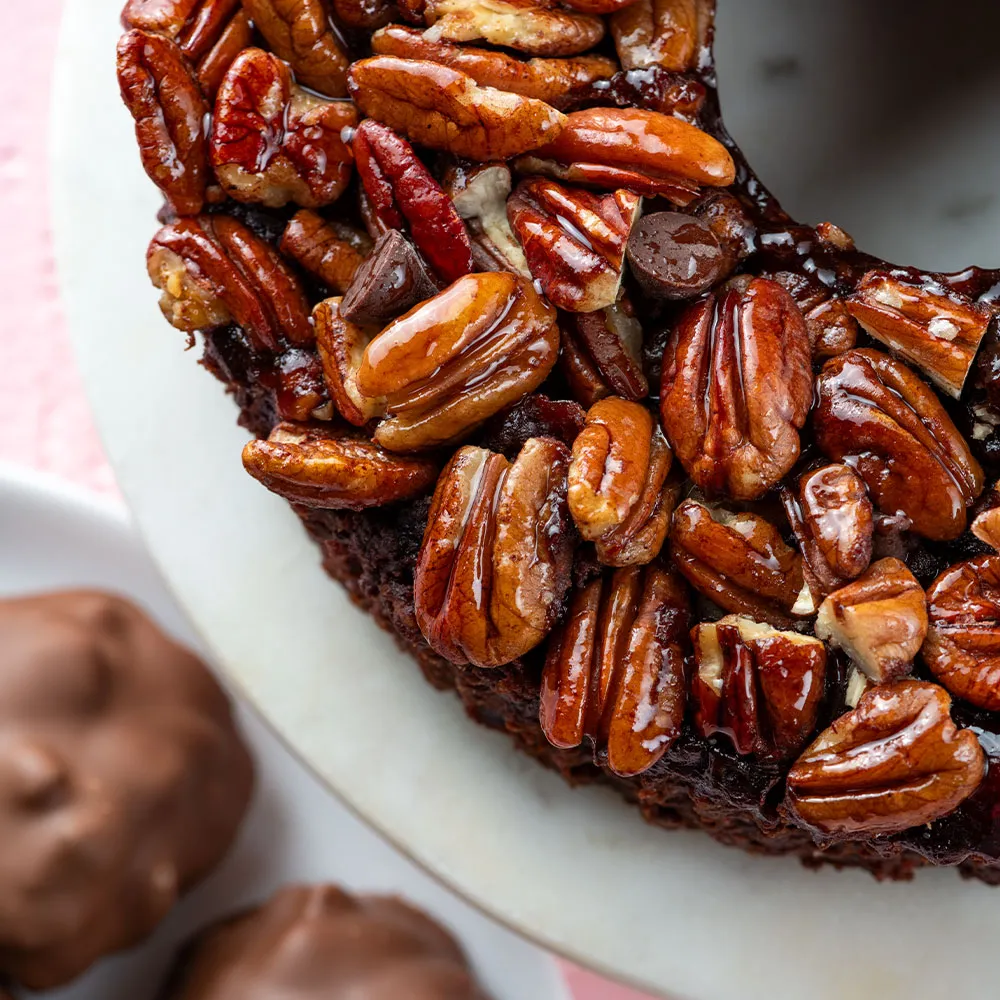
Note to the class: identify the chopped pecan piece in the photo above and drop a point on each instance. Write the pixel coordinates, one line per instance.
(832, 519)
(325, 467)
(894, 762)
(300, 392)
(602, 354)
(832, 328)
(341, 346)
(480, 195)
(170, 114)
(448, 365)
(644, 151)
(299, 32)
(494, 566)
(668, 33)
(614, 671)
(740, 562)
(536, 28)
(392, 279)
(364, 14)
(558, 82)
(574, 241)
(737, 387)
(617, 492)
(986, 525)
(444, 108)
(331, 251)
(273, 142)
(876, 414)
(213, 270)
(402, 190)
(963, 644)
(936, 330)
(759, 687)
(879, 620)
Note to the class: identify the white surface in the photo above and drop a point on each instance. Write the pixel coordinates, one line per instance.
(52, 536)
(576, 869)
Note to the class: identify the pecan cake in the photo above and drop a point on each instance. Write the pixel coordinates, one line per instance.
(689, 498)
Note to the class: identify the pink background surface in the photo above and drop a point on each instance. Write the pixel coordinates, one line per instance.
(43, 409)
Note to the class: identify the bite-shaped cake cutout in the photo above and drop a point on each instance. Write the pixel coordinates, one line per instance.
(319, 943)
(123, 780)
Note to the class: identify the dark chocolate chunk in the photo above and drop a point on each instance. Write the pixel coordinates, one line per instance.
(392, 279)
(674, 256)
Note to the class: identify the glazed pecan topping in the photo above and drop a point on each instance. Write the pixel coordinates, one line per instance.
(737, 387)
(327, 467)
(986, 525)
(963, 644)
(213, 270)
(273, 142)
(831, 518)
(495, 562)
(889, 426)
(558, 82)
(444, 367)
(574, 241)
(644, 151)
(936, 330)
(602, 354)
(299, 32)
(444, 109)
(832, 328)
(617, 492)
(879, 620)
(537, 29)
(668, 33)
(331, 251)
(614, 671)
(757, 686)
(740, 562)
(166, 102)
(401, 191)
(894, 762)
(341, 347)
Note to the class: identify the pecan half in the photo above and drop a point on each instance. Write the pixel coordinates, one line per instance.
(331, 251)
(963, 644)
(480, 195)
(341, 347)
(614, 670)
(444, 108)
(495, 561)
(740, 562)
(273, 142)
(936, 330)
(558, 82)
(402, 190)
(170, 113)
(211, 67)
(757, 686)
(299, 32)
(894, 762)
(602, 354)
(325, 467)
(737, 387)
(891, 428)
(668, 33)
(447, 365)
(213, 270)
(879, 620)
(617, 492)
(832, 519)
(644, 151)
(536, 28)
(574, 241)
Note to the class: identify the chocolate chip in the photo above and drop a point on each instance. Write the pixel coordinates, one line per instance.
(674, 256)
(392, 279)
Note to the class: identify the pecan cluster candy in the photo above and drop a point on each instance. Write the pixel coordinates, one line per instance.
(562, 389)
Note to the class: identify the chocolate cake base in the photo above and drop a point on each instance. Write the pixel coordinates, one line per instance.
(698, 784)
